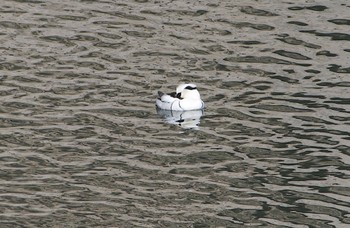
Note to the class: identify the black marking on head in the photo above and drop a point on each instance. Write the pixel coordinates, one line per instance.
(173, 94)
(190, 87)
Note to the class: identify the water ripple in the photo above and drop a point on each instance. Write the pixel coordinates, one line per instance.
(82, 143)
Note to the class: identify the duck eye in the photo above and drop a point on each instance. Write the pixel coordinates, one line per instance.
(178, 95)
(190, 88)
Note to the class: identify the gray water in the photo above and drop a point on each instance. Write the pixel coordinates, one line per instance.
(82, 144)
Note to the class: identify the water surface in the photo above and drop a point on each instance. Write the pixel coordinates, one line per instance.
(81, 143)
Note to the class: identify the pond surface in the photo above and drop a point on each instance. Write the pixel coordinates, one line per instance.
(82, 144)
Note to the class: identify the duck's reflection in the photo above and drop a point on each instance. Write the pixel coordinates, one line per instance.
(185, 119)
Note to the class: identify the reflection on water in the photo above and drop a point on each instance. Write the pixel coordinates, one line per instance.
(185, 119)
(81, 142)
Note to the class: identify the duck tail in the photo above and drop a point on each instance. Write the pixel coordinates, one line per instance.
(160, 94)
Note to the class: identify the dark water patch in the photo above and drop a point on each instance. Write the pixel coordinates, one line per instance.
(319, 162)
(31, 89)
(281, 108)
(242, 116)
(104, 57)
(123, 112)
(216, 97)
(44, 59)
(197, 51)
(72, 17)
(109, 45)
(345, 150)
(308, 77)
(245, 42)
(128, 74)
(310, 96)
(240, 25)
(181, 24)
(12, 122)
(152, 12)
(110, 35)
(180, 37)
(204, 157)
(113, 59)
(138, 34)
(254, 26)
(255, 83)
(7, 92)
(262, 59)
(92, 120)
(298, 23)
(234, 167)
(257, 72)
(233, 84)
(111, 24)
(326, 53)
(313, 8)
(340, 118)
(189, 12)
(92, 54)
(313, 71)
(285, 79)
(58, 134)
(334, 132)
(84, 38)
(87, 64)
(334, 35)
(241, 130)
(293, 55)
(221, 32)
(56, 38)
(312, 119)
(296, 8)
(13, 66)
(150, 53)
(216, 48)
(13, 11)
(257, 12)
(18, 105)
(246, 97)
(317, 8)
(211, 65)
(310, 103)
(338, 100)
(14, 25)
(262, 87)
(316, 137)
(294, 41)
(289, 71)
(121, 15)
(340, 21)
(339, 69)
(28, 1)
(334, 84)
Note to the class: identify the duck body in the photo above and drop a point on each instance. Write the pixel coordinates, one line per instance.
(185, 98)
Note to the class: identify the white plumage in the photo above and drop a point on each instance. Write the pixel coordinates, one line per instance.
(185, 98)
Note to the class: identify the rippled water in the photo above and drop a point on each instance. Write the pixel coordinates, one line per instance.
(82, 144)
